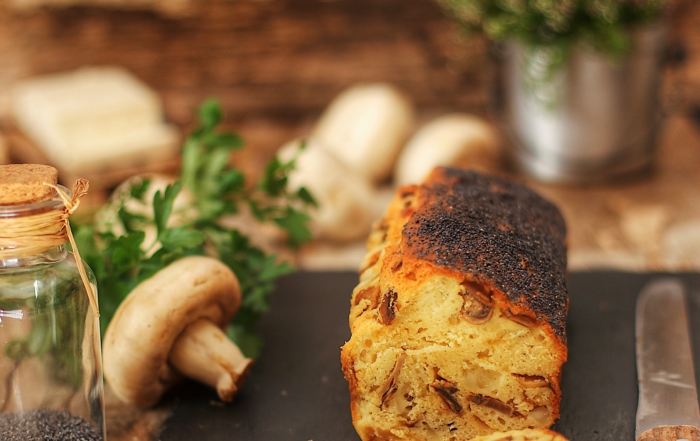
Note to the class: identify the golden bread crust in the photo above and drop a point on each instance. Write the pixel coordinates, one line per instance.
(496, 232)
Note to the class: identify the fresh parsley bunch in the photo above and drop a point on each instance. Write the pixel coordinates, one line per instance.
(122, 254)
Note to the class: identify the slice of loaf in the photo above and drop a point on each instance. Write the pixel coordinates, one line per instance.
(523, 435)
(458, 323)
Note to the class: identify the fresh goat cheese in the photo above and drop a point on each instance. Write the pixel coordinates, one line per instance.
(93, 119)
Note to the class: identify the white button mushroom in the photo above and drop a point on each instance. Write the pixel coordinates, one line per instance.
(345, 200)
(171, 325)
(365, 127)
(456, 139)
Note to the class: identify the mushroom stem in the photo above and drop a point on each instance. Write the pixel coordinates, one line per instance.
(203, 352)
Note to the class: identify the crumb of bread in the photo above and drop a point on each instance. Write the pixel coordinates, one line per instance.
(523, 435)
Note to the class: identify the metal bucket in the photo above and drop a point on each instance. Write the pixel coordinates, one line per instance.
(593, 120)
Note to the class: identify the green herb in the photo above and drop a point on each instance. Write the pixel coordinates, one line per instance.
(117, 251)
(558, 25)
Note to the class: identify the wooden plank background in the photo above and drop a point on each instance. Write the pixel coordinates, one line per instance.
(275, 64)
(275, 59)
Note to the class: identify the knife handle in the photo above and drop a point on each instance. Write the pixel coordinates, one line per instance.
(671, 433)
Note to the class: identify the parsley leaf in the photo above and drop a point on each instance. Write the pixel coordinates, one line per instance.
(121, 256)
(163, 205)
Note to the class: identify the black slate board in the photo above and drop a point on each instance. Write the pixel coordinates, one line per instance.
(297, 391)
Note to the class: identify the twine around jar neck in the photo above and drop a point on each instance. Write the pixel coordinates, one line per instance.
(24, 236)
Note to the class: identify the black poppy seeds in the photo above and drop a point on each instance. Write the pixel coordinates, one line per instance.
(46, 425)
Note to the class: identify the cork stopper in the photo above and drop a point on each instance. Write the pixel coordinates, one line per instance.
(22, 184)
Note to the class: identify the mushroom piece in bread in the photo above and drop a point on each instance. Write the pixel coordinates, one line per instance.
(458, 322)
(171, 325)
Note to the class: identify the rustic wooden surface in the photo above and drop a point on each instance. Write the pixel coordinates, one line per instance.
(276, 64)
(276, 59)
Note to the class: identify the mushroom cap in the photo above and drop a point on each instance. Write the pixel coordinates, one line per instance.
(345, 199)
(365, 127)
(141, 333)
(455, 139)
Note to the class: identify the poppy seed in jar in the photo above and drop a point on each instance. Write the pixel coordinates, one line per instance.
(46, 425)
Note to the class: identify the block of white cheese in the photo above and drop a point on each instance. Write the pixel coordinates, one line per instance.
(346, 201)
(93, 119)
(456, 139)
(365, 127)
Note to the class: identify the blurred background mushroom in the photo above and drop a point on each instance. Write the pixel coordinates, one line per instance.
(455, 139)
(345, 200)
(365, 127)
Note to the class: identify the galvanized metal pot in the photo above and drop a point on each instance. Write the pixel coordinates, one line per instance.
(593, 120)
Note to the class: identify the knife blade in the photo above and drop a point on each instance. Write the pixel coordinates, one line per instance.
(668, 402)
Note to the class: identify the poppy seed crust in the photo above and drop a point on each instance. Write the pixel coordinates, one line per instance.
(500, 232)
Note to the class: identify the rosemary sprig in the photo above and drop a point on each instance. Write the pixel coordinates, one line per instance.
(558, 25)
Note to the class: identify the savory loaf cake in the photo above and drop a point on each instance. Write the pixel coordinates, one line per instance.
(522, 435)
(458, 322)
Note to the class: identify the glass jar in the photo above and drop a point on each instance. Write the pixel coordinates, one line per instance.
(50, 357)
